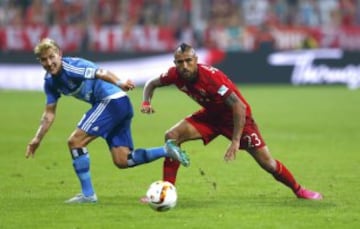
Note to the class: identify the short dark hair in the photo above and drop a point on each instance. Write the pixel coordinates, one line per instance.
(183, 47)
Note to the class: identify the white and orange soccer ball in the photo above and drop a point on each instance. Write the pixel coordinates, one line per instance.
(161, 196)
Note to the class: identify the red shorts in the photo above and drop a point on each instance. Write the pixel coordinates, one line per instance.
(210, 126)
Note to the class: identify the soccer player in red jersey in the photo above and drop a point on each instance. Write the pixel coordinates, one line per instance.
(224, 112)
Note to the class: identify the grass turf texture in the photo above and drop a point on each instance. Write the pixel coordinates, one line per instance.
(314, 131)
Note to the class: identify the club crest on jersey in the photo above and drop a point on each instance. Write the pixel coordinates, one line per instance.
(222, 90)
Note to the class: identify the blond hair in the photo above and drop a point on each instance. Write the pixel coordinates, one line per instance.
(45, 44)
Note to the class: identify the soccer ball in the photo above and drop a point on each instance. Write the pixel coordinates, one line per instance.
(162, 196)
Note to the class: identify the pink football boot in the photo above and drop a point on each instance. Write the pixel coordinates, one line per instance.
(308, 194)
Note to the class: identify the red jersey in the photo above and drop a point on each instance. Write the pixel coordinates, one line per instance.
(209, 90)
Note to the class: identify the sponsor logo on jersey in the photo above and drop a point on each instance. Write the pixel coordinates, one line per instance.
(222, 90)
(89, 73)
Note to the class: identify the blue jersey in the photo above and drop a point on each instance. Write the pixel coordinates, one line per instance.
(77, 78)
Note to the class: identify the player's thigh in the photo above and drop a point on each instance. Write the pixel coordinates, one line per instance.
(251, 138)
(182, 131)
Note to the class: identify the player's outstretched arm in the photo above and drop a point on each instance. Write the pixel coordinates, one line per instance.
(47, 119)
(148, 93)
(110, 77)
(239, 113)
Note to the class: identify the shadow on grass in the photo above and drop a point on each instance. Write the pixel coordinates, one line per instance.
(256, 202)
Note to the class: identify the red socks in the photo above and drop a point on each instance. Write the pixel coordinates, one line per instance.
(283, 175)
(170, 169)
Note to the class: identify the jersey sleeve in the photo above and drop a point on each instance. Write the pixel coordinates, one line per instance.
(224, 88)
(52, 95)
(168, 77)
(79, 68)
(218, 83)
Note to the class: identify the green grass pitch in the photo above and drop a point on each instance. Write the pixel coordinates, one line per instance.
(313, 130)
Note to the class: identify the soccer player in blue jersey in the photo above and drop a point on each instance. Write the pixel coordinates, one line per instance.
(109, 117)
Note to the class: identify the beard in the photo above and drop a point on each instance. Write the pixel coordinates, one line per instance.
(189, 76)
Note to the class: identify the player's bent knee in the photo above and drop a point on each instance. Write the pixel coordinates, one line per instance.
(119, 156)
(71, 142)
(74, 142)
(171, 135)
(120, 164)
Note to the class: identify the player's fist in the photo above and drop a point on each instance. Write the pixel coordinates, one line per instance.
(146, 108)
(126, 85)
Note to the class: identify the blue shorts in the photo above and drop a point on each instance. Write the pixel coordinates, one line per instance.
(111, 120)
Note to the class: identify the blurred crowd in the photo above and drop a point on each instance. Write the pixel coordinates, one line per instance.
(181, 15)
(90, 12)
(180, 12)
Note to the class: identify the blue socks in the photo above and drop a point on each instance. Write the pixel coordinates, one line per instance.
(141, 156)
(81, 163)
(82, 168)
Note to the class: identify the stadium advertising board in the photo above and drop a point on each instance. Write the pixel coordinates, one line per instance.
(306, 69)
(299, 67)
(155, 38)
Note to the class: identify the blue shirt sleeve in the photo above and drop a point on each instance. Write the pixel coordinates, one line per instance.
(78, 79)
(52, 95)
(79, 68)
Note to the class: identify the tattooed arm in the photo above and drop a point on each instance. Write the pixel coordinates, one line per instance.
(239, 112)
(47, 119)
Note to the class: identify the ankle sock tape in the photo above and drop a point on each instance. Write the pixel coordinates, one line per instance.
(77, 152)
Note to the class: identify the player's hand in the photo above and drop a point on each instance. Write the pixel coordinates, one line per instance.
(127, 85)
(146, 108)
(230, 154)
(31, 147)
